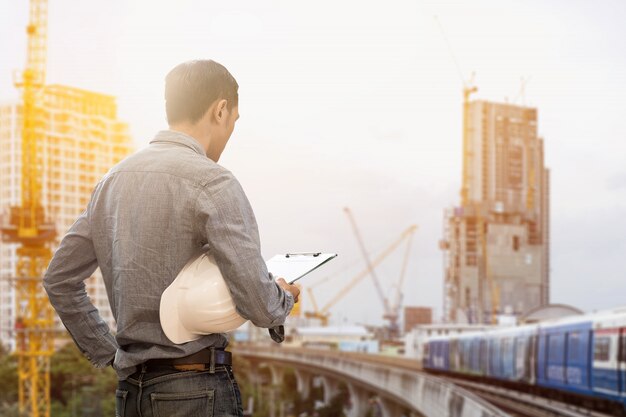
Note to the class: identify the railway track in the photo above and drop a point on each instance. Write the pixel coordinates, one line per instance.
(519, 404)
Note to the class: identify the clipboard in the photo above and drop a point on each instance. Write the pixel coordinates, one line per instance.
(293, 266)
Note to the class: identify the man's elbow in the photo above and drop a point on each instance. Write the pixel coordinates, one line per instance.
(56, 288)
(48, 284)
(52, 289)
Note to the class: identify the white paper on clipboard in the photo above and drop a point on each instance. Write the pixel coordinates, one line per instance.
(293, 266)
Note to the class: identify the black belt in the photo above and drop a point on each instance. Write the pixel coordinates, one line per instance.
(208, 357)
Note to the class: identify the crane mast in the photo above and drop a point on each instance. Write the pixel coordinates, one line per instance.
(467, 173)
(28, 227)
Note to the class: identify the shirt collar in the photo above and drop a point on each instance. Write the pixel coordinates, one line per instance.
(179, 138)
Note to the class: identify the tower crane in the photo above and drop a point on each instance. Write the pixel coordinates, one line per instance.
(391, 311)
(323, 313)
(481, 223)
(28, 227)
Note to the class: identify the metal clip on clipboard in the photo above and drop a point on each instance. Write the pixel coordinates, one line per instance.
(293, 266)
(288, 255)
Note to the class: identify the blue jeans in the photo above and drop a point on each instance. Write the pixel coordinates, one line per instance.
(167, 392)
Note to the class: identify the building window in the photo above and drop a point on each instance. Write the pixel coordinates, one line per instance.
(515, 243)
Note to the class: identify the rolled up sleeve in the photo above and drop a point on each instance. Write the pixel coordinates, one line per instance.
(227, 221)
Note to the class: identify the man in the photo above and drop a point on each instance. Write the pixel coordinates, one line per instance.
(147, 217)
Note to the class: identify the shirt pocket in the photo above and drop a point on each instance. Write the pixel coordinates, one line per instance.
(120, 402)
(183, 404)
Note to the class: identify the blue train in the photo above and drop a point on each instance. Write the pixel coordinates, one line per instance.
(578, 359)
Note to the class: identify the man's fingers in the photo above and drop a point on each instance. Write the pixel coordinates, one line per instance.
(293, 289)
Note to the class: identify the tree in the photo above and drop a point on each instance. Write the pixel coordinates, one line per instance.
(76, 387)
(8, 380)
(79, 389)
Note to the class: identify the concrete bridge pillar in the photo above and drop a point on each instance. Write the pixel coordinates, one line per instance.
(331, 387)
(277, 375)
(390, 408)
(358, 401)
(254, 372)
(303, 383)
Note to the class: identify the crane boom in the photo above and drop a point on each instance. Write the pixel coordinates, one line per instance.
(310, 291)
(391, 312)
(370, 266)
(398, 300)
(323, 314)
(381, 257)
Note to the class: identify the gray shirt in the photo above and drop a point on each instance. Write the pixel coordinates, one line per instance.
(147, 217)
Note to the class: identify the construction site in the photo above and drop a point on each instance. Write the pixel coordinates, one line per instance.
(393, 358)
(57, 142)
(496, 242)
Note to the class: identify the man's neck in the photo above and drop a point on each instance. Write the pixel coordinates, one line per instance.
(194, 131)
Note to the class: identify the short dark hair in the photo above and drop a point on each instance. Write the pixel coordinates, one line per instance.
(191, 88)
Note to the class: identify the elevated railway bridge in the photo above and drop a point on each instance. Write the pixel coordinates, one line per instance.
(400, 385)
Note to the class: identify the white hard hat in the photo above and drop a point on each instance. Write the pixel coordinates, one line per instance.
(198, 303)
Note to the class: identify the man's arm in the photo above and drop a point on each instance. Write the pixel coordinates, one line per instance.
(227, 222)
(73, 262)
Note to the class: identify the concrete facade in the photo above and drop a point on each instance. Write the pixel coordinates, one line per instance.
(415, 316)
(496, 244)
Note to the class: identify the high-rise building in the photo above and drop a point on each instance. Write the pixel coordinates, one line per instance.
(496, 242)
(81, 139)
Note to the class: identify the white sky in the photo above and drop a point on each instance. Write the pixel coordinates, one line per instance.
(357, 104)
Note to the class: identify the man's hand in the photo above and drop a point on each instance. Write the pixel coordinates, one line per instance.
(295, 291)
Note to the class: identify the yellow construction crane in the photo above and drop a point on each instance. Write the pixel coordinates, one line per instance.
(323, 313)
(468, 89)
(391, 311)
(28, 226)
(467, 173)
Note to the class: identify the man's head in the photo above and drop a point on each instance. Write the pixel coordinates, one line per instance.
(201, 99)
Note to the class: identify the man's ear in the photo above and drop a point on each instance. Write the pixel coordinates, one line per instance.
(220, 110)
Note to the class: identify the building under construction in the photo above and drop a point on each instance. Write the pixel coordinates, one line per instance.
(496, 242)
(80, 140)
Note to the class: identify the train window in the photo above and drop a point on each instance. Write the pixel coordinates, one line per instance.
(482, 355)
(555, 349)
(623, 349)
(573, 346)
(506, 345)
(602, 349)
(520, 349)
